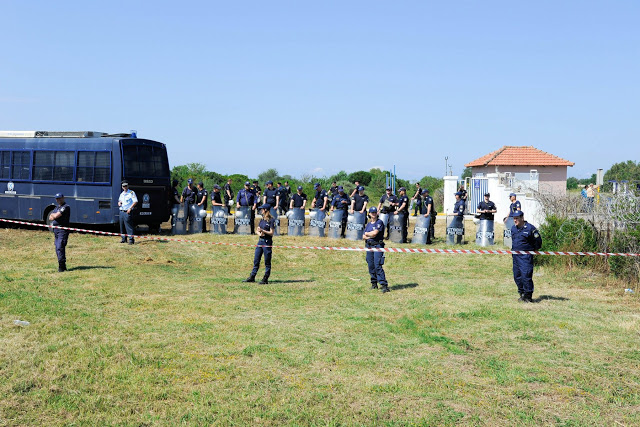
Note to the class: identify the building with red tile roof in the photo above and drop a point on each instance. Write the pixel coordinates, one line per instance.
(525, 163)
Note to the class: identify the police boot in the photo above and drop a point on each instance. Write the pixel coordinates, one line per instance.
(265, 280)
(527, 297)
(521, 297)
(62, 266)
(131, 242)
(385, 289)
(374, 286)
(123, 240)
(250, 279)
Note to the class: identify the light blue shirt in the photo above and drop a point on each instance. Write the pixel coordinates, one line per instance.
(127, 198)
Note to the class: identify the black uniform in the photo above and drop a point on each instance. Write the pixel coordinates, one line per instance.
(393, 201)
(61, 236)
(264, 247)
(298, 199)
(375, 260)
(189, 200)
(359, 201)
(227, 187)
(202, 196)
(424, 208)
(270, 195)
(337, 202)
(320, 196)
(405, 212)
(526, 238)
(486, 206)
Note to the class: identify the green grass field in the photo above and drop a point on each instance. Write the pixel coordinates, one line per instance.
(164, 333)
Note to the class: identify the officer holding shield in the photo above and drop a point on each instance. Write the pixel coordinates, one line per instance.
(189, 198)
(373, 237)
(271, 196)
(359, 201)
(246, 197)
(216, 199)
(60, 216)
(298, 200)
(403, 209)
(486, 208)
(320, 200)
(427, 209)
(387, 204)
(341, 201)
(201, 202)
(228, 195)
(525, 237)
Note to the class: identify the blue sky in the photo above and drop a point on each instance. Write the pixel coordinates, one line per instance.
(318, 87)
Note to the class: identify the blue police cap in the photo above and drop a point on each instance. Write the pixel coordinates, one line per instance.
(458, 194)
(269, 182)
(361, 188)
(189, 181)
(389, 188)
(373, 209)
(216, 186)
(59, 196)
(299, 187)
(316, 185)
(403, 189)
(516, 214)
(340, 188)
(247, 183)
(425, 191)
(512, 195)
(266, 206)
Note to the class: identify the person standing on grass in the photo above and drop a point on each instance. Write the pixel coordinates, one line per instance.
(299, 200)
(60, 216)
(341, 201)
(524, 237)
(417, 199)
(265, 243)
(127, 201)
(359, 201)
(228, 196)
(373, 238)
(201, 202)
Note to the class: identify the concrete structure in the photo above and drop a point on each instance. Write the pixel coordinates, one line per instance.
(524, 169)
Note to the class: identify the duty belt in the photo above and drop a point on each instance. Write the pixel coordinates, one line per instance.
(371, 242)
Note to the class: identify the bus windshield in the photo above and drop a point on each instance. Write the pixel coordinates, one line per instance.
(145, 161)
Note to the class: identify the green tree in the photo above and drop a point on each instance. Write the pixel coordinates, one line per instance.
(624, 171)
(268, 175)
(195, 171)
(466, 173)
(572, 183)
(363, 176)
(431, 183)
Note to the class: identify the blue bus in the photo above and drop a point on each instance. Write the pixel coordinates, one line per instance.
(88, 168)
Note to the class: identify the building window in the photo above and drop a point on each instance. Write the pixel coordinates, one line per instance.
(93, 166)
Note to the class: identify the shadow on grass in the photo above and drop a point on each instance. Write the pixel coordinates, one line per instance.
(398, 287)
(291, 281)
(88, 267)
(550, 298)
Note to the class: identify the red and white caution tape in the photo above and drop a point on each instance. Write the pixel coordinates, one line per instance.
(339, 248)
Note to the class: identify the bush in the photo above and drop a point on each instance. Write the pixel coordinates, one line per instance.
(567, 235)
(627, 241)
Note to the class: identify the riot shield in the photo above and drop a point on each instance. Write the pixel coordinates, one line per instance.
(242, 223)
(396, 222)
(296, 222)
(174, 217)
(355, 225)
(484, 233)
(317, 222)
(219, 220)
(421, 230)
(506, 240)
(335, 224)
(199, 215)
(276, 220)
(181, 219)
(384, 217)
(455, 230)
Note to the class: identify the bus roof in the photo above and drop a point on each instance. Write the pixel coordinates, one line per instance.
(58, 134)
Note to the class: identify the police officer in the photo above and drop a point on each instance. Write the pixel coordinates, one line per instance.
(341, 201)
(355, 190)
(428, 210)
(387, 204)
(257, 191)
(283, 202)
(271, 196)
(216, 198)
(228, 195)
(403, 209)
(458, 207)
(174, 200)
(417, 199)
(515, 204)
(524, 237)
(127, 201)
(320, 200)
(60, 217)
(486, 208)
(334, 189)
(246, 197)
(359, 201)
(189, 199)
(265, 243)
(201, 202)
(298, 200)
(373, 234)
